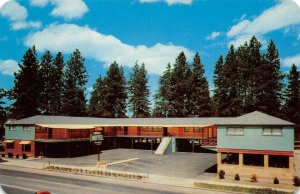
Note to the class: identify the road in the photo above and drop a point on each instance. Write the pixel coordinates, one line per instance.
(16, 182)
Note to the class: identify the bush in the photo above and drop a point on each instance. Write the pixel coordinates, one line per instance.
(253, 178)
(3, 155)
(276, 181)
(24, 156)
(10, 155)
(237, 177)
(17, 156)
(297, 181)
(221, 174)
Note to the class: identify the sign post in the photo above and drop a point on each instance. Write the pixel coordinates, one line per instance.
(98, 148)
(97, 138)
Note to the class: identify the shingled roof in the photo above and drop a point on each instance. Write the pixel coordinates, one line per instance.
(253, 118)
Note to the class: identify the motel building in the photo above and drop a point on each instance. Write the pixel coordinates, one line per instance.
(254, 143)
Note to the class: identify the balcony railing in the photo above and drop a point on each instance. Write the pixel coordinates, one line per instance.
(63, 136)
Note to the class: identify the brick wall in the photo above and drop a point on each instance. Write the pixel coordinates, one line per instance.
(17, 150)
(265, 172)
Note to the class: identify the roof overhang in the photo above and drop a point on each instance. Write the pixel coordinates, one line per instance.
(66, 126)
(8, 141)
(25, 142)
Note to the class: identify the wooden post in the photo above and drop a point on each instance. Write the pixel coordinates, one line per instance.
(193, 147)
(69, 151)
(132, 143)
(241, 159)
(266, 161)
(98, 152)
(152, 145)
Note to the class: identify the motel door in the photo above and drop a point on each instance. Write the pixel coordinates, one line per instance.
(50, 131)
(165, 131)
(125, 130)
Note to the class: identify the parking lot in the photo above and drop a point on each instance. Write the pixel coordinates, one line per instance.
(181, 164)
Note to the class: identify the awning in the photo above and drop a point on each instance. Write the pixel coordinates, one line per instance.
(66, 126)
(8, 141)
(24, 142)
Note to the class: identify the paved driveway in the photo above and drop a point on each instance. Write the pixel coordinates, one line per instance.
(181, 164)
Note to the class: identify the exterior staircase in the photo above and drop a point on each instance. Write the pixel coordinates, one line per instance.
(163, 146)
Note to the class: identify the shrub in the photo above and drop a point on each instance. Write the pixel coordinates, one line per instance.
(237, 177)
(253, 178)
(24, 156)
(221, 174)
(17, 156)
(10, 155)
(297, 181)
(276, 181)
(3, 155)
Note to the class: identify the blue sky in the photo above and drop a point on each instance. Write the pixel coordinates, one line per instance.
(149, 31)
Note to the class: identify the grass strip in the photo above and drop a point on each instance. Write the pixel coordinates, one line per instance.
(239, 189)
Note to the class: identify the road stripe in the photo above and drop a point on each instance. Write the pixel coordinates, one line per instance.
(122, 161)
(63, 184)
(16, 187)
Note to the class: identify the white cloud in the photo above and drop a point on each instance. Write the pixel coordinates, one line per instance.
(8, 67)
(14, 11)
(104, 48)
(240, 40)
(289, 61)
(17, 14)
(283, 14)
(24, 25)
(213, 35)
(235, 30)
(169, 2)
(39, 3)
(68, 9)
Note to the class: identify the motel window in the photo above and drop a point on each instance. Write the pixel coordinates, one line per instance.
(10, 145)
(144, 128)
(254, 159)
(12, 128)
(186, 129)
(154, 129)
(40, 130)
(197, 129)
(159, 129)
(235, 131)
(272, 131)
(26, 128)
(230, 158)
(26, 148)
(279, 161)
(149, 128)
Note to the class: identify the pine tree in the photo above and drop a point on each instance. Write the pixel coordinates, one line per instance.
(115, 94)
(139, 92)
(200, 97)
(96, 105)
(220, 92)
(292, 94)
(180, 85)
(254, 73)
(46, 81)
(231, 73)
(56, 99)
(243, 60)
(27, 88)
(3, 110)
(163, 98)
(74, 102)
(270, 82)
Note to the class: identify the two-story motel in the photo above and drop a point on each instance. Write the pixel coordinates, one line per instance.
(254, 143)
